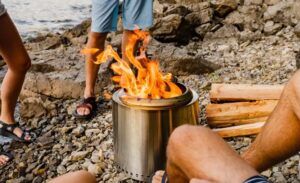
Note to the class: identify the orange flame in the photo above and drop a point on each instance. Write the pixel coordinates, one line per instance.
(149, 81)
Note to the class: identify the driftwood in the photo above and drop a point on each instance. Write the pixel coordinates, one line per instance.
(239, 113)
(241, 130)
(244, 92)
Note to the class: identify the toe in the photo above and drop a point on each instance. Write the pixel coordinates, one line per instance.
(27, 137)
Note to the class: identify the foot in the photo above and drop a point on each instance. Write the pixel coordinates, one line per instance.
(158, 177)
(85, 109)
(19, 132)
(4, 159)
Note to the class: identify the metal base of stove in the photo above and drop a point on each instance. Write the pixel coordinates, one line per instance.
(141, 135)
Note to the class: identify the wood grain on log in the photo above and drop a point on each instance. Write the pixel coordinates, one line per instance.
(241, 130)
(239, 112)
(244, 92)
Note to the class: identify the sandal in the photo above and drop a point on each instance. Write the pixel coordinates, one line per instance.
(8, 155)
(7, 130)
(87, 103)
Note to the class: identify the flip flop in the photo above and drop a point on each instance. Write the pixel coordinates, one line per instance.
(164, 178)
(87, 103)
(8, 155)
(7, 130)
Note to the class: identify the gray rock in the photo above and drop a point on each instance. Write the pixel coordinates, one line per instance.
(223, 7)
(61, 170)
(271, 2)
(171, 28)
(198, 18)
(253, 2)
(172, 59)
(179, 10)
(95, 169)
(278, 176)
(32, 107)
(80, 155)
(297, 30)
(78, 131)
(271, 28)
(227, 31)
(203, 29)
(91, 132)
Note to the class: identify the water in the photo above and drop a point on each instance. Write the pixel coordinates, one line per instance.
(33, 17)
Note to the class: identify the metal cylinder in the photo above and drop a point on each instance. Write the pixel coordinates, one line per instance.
(141, 135)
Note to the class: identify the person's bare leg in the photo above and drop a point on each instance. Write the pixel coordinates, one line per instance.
(96, 40)
(279, 138)
(197, 152)
(75, 177)
(18, 62)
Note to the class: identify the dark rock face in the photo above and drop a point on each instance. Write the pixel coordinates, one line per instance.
(179, 61)
(172, 28)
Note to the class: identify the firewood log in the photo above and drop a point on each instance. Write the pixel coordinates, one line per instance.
(239, 112)
(244, 92)
(241, 130)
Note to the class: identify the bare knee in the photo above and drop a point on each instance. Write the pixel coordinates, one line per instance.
(185, 134)
(75, 177)
(21, 64)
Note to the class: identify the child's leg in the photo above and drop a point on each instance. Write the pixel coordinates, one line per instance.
(18, 62)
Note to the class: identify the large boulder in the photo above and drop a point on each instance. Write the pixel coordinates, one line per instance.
(246, 17)
(59, 73)
(172, 28)
(180, 61)
(226, 31)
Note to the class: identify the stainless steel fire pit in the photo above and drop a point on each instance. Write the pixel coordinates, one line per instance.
(142, 128)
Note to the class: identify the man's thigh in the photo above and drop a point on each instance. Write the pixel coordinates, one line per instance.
(104, 15)
(137, 14)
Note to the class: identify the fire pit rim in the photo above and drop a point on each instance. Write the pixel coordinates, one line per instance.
(157, 104)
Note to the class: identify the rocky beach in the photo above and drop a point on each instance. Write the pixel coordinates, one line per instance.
(199, 41)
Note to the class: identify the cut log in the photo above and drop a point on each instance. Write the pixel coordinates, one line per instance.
(235, 122)
(239, 112)
(244, 92)
(241, 130)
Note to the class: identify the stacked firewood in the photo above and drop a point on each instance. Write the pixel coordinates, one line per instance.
(239, 109)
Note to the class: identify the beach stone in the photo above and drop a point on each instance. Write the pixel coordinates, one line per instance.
(80, 155)
(95, 169)
(91, 132)
(37, 179)
(271, 28)
(78, 131)
(278, 176)
(32, 108)
(61, 170)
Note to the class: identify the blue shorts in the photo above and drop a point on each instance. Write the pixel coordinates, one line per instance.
(136, 14)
